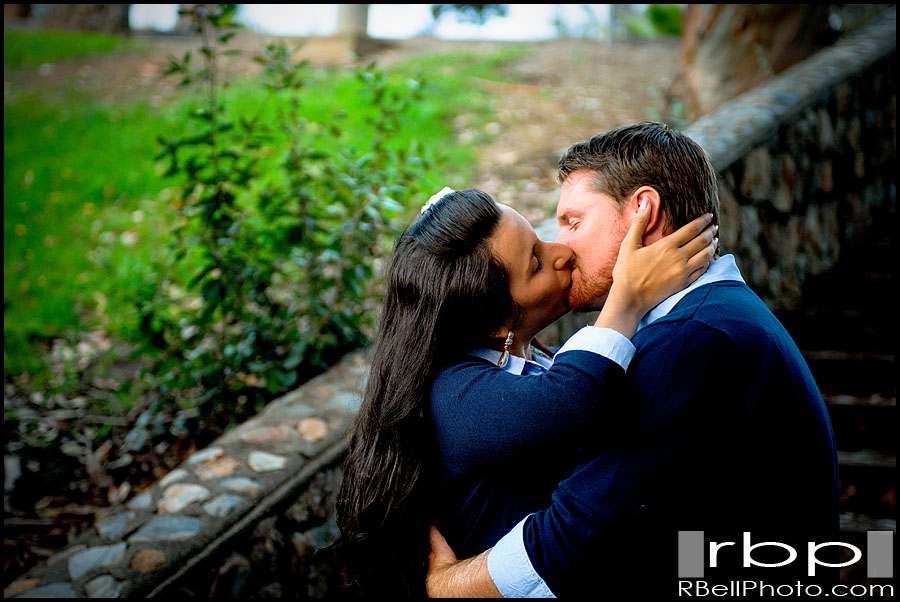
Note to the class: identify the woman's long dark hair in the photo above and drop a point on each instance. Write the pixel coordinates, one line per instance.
(446, 293)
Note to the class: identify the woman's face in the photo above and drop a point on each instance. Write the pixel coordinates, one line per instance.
(540, 274)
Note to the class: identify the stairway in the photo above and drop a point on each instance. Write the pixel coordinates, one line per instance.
(848, 335)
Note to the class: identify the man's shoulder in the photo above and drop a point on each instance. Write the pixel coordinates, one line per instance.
(724, 322)
(729, 308)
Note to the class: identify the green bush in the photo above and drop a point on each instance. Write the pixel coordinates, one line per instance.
(666, 18)
(88, 223)
(656, 20)
(282, 262)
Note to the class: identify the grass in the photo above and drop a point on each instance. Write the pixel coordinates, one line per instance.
(73, 175)
(86, 213)
(30, 48)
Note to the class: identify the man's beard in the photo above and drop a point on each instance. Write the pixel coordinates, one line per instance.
(588, 293)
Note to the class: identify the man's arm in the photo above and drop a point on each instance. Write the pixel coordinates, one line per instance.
(451, 578)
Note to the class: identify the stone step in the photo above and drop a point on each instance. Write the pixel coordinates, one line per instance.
(841, 329)
(863, 422)
(875, 253)
(867, 483)
(860, 401)
(859, 524)
(853, 373)
(861, 289)
(867, 458)
(863, 278)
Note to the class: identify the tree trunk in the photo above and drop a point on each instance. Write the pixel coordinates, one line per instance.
(16, 11)
(186, 23)
(106, 18)
(728, 49)
(353, 24)
(353, 19)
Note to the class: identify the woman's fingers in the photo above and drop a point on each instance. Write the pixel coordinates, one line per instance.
(635, 235)
(701, 241)
(701, 260)
(689, 231)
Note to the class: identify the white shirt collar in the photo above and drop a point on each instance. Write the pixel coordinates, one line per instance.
(721, 269)
(516, 364)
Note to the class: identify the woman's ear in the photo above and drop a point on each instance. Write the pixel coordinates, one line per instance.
(501, 332)
(656, 223)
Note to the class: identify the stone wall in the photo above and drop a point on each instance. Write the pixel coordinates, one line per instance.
(285, 555)
(818, 170)
(219, 523)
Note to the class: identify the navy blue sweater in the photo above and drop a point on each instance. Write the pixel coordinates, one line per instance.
(726, 432)
(504, 441)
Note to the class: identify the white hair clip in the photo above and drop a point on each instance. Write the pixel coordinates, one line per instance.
(436, 197)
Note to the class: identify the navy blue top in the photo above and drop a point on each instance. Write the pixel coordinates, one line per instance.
(504, 441)
(726, 432)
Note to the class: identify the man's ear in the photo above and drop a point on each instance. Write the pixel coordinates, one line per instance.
(656, 223)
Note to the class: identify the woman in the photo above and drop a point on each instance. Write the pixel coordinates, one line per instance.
(463, 425)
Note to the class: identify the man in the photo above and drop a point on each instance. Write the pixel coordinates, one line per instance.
(726, 432)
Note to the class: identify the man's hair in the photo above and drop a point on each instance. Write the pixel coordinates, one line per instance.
(648, 154)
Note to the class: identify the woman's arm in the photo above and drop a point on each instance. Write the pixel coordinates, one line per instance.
(483, 414)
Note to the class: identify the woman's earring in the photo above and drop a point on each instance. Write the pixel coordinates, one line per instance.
(504, 358)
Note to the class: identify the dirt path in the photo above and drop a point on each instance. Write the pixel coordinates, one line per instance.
(563, 92)
(570, 91)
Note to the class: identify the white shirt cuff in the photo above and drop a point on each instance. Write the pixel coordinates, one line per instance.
(607, 342)
(511, 569)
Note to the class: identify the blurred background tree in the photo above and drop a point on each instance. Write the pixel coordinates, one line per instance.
(728, 49)
(470, 13)
(353, 20)
(105, 18)
(653, 21)
(187, 20)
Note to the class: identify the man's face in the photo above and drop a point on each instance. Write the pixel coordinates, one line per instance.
(592, 225)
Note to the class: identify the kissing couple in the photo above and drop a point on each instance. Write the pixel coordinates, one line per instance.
(686, 407)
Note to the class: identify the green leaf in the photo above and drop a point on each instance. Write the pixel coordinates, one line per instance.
(257, 367)
(212, 291)
(200, 275)
(289, 379)
(292, 361)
